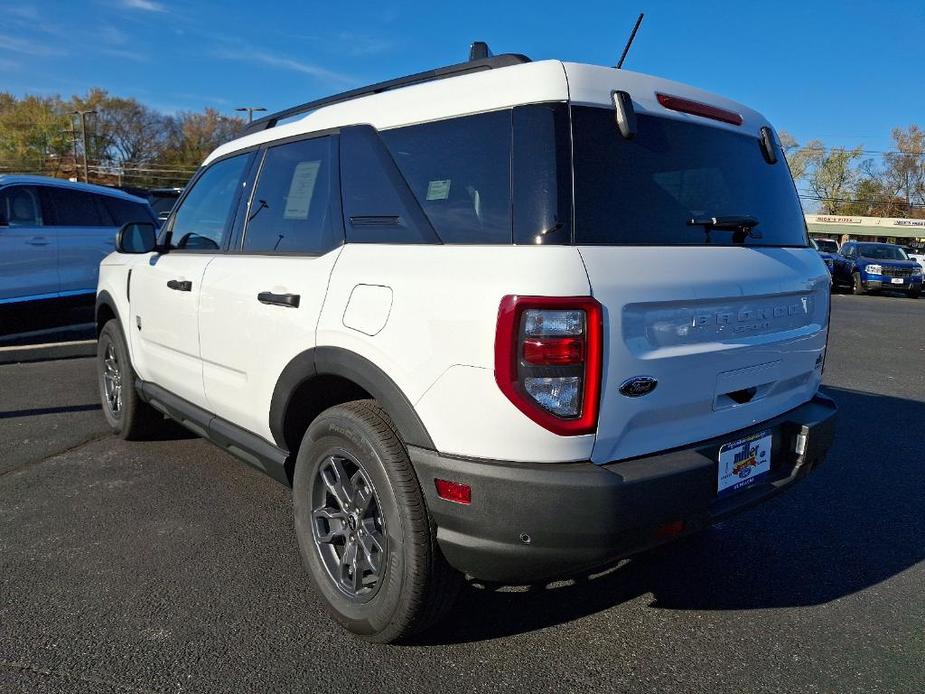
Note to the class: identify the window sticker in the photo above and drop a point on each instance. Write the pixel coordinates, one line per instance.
(301, 189)
(438, 190)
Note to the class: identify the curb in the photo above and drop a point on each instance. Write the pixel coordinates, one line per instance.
(19, 354)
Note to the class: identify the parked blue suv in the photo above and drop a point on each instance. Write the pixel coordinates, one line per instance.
(867, 267)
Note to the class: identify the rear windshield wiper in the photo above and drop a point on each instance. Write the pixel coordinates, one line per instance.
(742, 226)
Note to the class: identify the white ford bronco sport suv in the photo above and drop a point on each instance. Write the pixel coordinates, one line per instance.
(509, 319)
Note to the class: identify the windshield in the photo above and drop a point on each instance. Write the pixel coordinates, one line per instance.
(826, 245)
(881, 251)
(645, 191)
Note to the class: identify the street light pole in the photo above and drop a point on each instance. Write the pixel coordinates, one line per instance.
(83, 127)
(250, 112)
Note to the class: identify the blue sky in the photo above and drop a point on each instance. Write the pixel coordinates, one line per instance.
(845, 72)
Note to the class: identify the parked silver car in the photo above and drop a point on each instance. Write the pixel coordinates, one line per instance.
(54, 233)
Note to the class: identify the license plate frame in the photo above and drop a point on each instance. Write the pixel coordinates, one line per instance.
(743, 463)
(896, 280)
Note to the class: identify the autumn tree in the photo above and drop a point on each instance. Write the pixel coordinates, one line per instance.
(192, 136)
(904, 168)
(33, 135)
(797, 157)
(833, 175)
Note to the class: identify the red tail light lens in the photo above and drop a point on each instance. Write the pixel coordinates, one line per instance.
(676, 103)
(548, 354)
(554, 351)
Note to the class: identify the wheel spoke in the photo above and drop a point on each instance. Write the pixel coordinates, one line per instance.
(349, 571)
(371, 543)
(330, 524)
(338, 484)
(362, 492)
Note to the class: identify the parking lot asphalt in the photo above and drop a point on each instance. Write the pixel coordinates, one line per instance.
(167, 566)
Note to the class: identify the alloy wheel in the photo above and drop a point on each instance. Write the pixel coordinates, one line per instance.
(112, 380)
(348, 526)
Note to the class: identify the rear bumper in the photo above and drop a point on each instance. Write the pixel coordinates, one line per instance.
(531, 522)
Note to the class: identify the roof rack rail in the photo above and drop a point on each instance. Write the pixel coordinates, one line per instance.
(489, 63)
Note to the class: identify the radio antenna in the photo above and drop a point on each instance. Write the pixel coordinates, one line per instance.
(626, 49)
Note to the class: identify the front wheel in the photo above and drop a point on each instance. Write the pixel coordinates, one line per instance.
(128, 415)
(915, 292)
(364, 531)
(857, 287)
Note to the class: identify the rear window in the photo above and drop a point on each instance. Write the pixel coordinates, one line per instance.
(645, 190)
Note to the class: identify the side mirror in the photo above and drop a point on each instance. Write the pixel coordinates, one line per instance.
(136, 237)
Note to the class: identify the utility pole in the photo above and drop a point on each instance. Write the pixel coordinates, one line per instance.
(83, 127)
(250, 112)
(73, 137)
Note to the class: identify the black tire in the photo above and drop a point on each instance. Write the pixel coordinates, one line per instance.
(133, 419)
(914, 293)
(414, 586)
(857, 288)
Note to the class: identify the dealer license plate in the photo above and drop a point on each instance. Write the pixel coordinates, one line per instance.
(744, 462)
(897, 280)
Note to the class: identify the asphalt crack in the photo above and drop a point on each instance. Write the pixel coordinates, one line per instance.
(70, 449)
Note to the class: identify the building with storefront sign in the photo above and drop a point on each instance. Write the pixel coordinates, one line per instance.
(888, 229)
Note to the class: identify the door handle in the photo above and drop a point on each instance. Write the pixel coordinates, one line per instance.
(180, 285)
(38, 241)
(291, 300)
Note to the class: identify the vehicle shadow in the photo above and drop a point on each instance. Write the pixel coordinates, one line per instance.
(857, 521)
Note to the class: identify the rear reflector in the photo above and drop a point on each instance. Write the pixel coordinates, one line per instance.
(676, 103)
(456, 492)
(668, 530)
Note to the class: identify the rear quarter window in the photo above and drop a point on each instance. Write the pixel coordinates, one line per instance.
(125, 211)
(460, 173)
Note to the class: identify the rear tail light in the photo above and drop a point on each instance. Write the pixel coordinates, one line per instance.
(548, 354)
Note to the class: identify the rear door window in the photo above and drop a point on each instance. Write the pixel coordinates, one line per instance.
(645, 190)
(293, 209)
(74, 208)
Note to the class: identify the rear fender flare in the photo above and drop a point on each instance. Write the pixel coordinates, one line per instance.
(336, 361)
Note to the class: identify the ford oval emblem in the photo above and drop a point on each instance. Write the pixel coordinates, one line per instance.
(638, 386)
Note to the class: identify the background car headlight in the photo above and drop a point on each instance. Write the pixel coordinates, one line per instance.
(873, 269)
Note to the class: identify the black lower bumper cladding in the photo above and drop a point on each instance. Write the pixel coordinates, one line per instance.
(530, 522)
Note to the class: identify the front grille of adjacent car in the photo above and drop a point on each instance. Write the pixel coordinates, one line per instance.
(897, 272)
